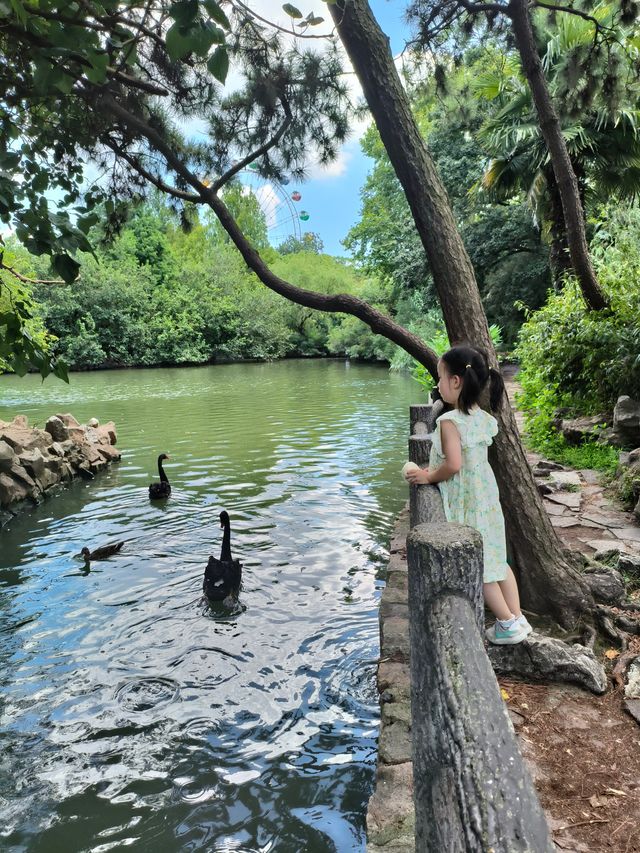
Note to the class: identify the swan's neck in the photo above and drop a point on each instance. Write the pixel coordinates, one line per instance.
(163, 476)
(225, 554)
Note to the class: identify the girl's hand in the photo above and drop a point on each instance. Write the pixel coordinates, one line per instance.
(418, 477)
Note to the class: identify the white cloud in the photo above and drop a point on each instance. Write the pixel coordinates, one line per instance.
(319, 172)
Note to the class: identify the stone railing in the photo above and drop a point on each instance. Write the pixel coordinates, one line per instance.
(34, 461)
(472, 791)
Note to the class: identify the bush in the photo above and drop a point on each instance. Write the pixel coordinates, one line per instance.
(589, 358)
(584, 360)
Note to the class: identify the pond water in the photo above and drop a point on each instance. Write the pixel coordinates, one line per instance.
(134, 715)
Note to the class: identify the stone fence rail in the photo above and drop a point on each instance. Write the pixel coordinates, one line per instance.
(471, 789)
(34, 461)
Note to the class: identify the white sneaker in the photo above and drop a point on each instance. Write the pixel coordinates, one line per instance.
(501, 636)
(522, 620)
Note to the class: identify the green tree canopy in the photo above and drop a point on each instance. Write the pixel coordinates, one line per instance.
(503, 243)
(597, 94)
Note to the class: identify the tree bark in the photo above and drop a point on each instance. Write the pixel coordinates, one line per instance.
(567, 183)
(559, 256)
(549, 582)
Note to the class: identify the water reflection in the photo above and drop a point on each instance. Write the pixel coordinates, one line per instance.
(135, 714)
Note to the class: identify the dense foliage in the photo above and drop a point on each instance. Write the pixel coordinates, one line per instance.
(595, 88)
(581, 360)
(128, 87)
(160, 295)
(171, 288)
(509, 258)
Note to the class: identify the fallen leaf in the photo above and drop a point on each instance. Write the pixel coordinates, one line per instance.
(504, 694)
(616, 792)
(611, 654)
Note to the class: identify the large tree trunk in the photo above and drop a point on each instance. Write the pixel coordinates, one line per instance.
(559, 256)
(566, 180)
(549, 582)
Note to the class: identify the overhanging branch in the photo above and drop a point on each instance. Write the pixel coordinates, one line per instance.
(335, 303)
(570, 10)
(223, 179)
(24, 279)
(149, 176)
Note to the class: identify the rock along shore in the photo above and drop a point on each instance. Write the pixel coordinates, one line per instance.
(35, 461)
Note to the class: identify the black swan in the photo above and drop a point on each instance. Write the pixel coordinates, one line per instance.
(222, 577)
(163, 488)
(102, 552)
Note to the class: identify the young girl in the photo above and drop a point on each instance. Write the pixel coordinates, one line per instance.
(458, 464)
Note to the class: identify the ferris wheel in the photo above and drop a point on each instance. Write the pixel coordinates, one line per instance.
(280, 205)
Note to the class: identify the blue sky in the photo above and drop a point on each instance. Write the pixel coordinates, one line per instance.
(333, 199)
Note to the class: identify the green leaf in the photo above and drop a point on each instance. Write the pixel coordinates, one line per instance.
(66, 267)
(184, 12)
(40, 181)
(179, 42)
(42, 75)
(19, 11)
(313, 21)
(292, 11)
(204, 36)
(218, 64)
(98, 71)
(9, 159)
(65, 83)
(84, 223)
(61, 370)
(216, 13)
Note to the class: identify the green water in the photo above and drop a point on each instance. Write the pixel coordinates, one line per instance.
(132, 714)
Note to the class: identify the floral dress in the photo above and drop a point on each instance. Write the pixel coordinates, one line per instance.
(471, 496)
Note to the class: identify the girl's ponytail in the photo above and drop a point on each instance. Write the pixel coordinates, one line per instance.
(497, 388)
(472, 383)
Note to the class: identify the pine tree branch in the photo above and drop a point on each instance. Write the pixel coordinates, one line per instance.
(483, 7)
(335, 303)
(293, 33)
(570, 10)
(149, 176)
(223, 179)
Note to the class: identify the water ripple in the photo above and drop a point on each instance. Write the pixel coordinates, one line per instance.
(132, 713)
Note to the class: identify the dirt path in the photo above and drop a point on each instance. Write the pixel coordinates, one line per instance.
(583, 750)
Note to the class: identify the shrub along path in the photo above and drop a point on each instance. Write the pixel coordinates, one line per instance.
(583, 750)
(585, 517)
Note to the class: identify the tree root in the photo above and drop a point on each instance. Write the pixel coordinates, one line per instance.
(628, 605)
(619, 670)
(605, 618)
(588, 636)
(620, 629)
(632, 626)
